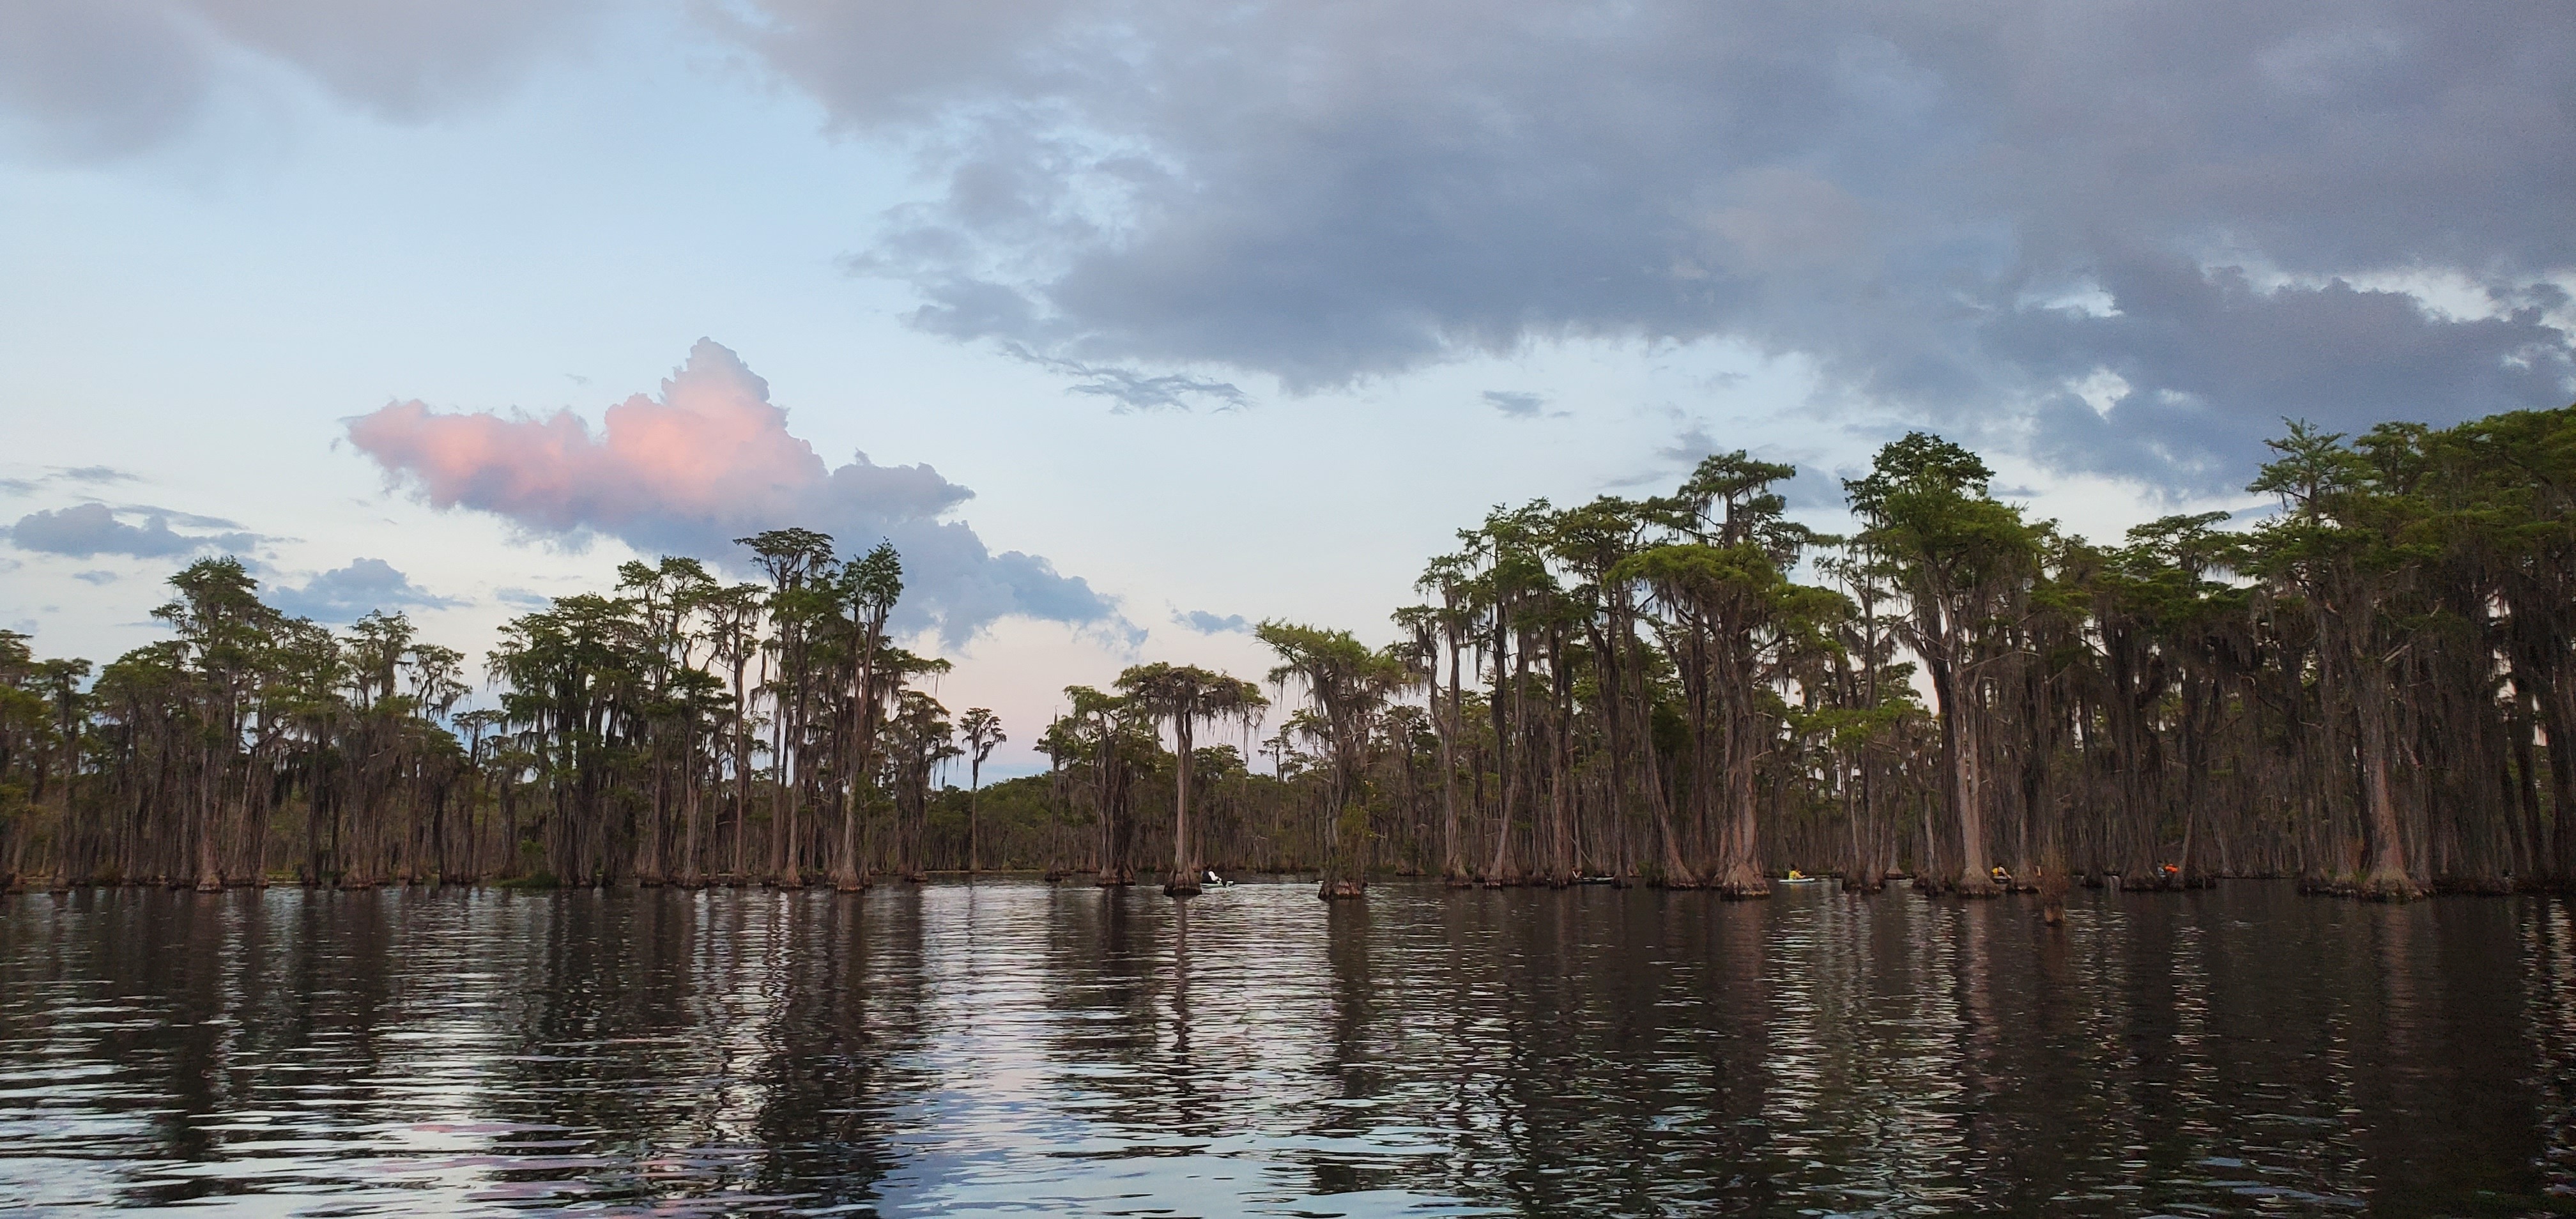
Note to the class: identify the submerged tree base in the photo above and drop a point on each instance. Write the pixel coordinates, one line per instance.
(1739, 882)
(1341, 890)
(2390, 887)
(2381, 887)
(1967, 887)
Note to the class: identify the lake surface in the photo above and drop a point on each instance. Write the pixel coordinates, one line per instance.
(1016, 1048)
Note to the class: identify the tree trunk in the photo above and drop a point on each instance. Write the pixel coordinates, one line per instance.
(1185, 865)
(1958, 764)
(2388, 879)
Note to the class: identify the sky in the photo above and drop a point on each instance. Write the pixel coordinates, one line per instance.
(1133, 324)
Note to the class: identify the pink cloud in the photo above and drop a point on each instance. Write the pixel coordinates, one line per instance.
(708, 460)
(712, 445)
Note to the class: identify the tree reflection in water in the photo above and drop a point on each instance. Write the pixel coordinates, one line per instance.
(1015, 1046)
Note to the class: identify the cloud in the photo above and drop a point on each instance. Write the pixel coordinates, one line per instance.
(86, 531)
(1135, 389)
(99, 578)
(92, 476)
(710, 460)
(87, 79)
(1515, 404)
(190, 520)
(1206, 623)
(1690, 443)
(2196, 367)
(347, 594)
(1907, 195)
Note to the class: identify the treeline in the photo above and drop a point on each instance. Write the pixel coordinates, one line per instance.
(678, 730)
(2369, 690)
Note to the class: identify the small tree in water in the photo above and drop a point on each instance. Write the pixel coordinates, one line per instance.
(1963, 560)
(1347, 683)
(1187, 696)
(981, 730)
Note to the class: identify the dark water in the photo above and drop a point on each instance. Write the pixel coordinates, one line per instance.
(1016, 1048)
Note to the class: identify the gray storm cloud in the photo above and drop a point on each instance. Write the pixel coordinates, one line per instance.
(707, 460)
(1964, 212)
(2129, 235)
(88, 79)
